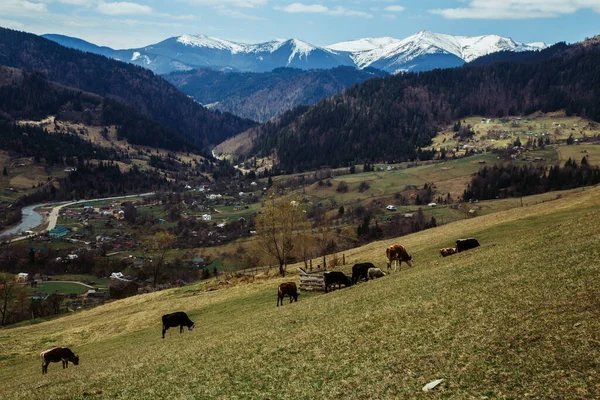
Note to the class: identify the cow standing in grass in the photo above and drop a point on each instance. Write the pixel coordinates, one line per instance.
(57, 354)
(179, 319)
(332, 278)
(396, 254)
(287, 289)
(361, 271)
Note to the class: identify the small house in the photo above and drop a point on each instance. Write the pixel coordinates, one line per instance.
(22, 277)
(206, 217)
(198, 262)
(59, 232)
(432, 205)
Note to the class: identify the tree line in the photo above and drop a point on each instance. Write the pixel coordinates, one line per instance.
(501, 181)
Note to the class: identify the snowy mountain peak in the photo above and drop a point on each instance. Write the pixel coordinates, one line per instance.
(422, 51)
(210, 42)
(387, 53)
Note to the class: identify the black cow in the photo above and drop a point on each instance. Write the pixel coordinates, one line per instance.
(287, 289)
(333, 277)
(179, 319)
(57, 354)
(361, 270)
(466, 244)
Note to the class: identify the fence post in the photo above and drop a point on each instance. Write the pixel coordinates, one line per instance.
(343, 259)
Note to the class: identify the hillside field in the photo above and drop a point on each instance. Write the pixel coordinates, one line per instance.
(516, 318)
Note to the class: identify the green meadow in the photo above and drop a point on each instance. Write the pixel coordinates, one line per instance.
(515, 318)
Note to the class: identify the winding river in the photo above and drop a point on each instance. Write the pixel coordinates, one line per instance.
(29, 220)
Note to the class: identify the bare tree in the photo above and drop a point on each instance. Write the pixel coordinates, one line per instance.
(162, 243)
(278, 227)
(9, 289)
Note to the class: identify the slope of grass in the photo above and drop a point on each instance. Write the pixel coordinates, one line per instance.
(516, 318)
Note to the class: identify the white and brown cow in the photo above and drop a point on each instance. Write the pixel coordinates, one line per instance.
(397, 253)
(447, 251)
(57, 354)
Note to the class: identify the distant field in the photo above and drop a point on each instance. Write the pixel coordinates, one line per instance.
(103, 282)
(515, 318)
(59, 287)
(556, 125)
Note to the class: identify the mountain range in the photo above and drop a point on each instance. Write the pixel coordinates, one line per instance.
(128, 95)
(420, 52)
(391, 119)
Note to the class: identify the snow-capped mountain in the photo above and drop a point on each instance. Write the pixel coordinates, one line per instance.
(420, 52)
(426, 50)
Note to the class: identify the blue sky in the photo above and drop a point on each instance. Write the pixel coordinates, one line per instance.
(135, 23)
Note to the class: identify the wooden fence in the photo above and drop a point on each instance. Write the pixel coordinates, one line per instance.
(313, 281)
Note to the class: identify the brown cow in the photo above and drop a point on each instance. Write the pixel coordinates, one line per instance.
(57, 354)
(287, 289)
(448, 251)
(398, 253)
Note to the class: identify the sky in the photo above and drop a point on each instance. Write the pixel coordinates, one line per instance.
(136, 23)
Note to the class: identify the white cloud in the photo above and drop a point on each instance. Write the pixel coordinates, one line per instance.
(304, 8)
(517, 9)
(7, 23)
(394, 8)
(21, 8)
(231, 3)
(296, 8)
(123, 8)
(86, 3)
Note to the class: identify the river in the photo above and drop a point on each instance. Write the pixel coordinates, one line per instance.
(29, 220)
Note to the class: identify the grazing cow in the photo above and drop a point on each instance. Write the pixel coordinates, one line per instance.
(448, 251)
(287, 289)
(397, 253)
(57, 354)
(333, 277)
(361, 271)
(179, 319)
(375, 273)
(466, 244)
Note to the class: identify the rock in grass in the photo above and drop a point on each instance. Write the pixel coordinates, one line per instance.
(432, 385)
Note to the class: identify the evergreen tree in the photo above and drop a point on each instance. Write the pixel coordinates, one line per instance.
(4, 172)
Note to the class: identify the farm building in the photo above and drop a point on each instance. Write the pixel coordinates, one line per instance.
(59, 232)
(22, 277)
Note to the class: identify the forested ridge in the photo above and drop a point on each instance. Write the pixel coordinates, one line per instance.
(30, 96)
(389, 119)
(135, 86)
(262, 96)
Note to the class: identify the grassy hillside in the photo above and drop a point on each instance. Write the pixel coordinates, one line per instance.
(517, 317)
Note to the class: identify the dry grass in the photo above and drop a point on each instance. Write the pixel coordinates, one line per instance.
(516, 318)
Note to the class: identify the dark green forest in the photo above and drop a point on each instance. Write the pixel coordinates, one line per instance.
(502, 181)
(29, 95)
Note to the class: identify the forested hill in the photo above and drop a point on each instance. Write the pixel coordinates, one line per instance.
(141, 89)
(30, 96)
(390, 118)
(262, 96)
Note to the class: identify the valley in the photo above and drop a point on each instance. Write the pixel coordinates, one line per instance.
(306, 159)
